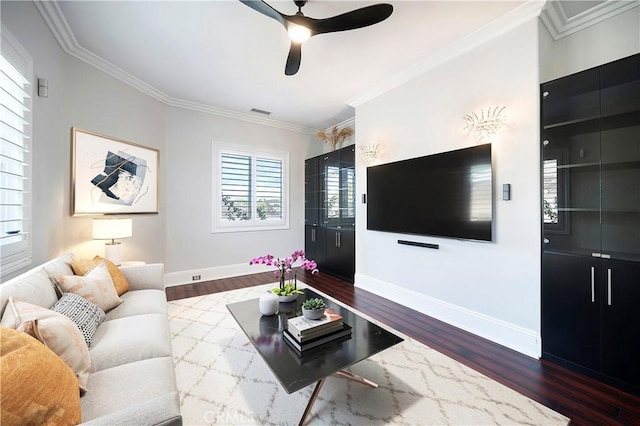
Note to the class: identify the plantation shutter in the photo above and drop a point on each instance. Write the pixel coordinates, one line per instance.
(269, 188)
(15, 133)
(235, 187)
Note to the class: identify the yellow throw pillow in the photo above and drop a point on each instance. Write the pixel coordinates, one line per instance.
(95, 286)
(37, 386)
(55, 330)
(81, 266)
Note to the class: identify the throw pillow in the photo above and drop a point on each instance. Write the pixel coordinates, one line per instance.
(85, 314)
(95, 286)
(55, 330)
(83, 266)
(37, 387)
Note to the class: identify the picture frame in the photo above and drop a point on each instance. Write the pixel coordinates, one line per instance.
(112, 176)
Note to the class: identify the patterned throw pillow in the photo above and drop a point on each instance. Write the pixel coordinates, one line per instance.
(85, 314)
(83, 266)
(37, 386)
(55, 330)
(95, 286)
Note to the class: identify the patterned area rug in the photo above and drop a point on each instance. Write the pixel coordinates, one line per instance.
(222, 380)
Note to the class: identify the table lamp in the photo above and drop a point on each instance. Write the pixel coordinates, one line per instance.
(110, 228)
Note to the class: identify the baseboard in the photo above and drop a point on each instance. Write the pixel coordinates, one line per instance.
(520, 339)
(173, 279)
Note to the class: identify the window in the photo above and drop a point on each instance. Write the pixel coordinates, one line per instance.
(250, 190)
(15, 132)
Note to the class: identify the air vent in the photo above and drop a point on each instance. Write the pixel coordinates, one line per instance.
(260, 111)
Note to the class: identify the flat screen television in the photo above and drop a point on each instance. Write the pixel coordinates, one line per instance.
(449, 194)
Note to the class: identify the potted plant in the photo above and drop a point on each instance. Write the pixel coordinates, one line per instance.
(287, 291)
(313, 309)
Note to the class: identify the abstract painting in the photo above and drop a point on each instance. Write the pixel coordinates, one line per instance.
(112, 176)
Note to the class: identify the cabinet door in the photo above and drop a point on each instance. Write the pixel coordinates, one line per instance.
(621, 321)
(571, 309)
(311, 191)
(347, 243)
(347, 186)
(314, 244)
(332, 251)
(331, 189)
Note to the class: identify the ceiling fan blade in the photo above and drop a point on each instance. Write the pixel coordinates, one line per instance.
(293, 60)
(358, 18)
(265, 9)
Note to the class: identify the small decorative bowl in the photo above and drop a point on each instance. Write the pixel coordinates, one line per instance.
(289, 298)
(312, 314)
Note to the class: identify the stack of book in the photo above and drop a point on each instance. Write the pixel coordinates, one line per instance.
(304, 334)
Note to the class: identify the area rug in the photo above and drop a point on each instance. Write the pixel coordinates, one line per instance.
(222, 380)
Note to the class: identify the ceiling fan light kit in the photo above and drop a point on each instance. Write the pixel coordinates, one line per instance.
(300, 28)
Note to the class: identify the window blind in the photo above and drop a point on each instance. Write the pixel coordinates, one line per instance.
(15, 135)
(235, 180)
(269, 188)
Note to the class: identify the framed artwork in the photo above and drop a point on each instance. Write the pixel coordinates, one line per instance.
(112, 176)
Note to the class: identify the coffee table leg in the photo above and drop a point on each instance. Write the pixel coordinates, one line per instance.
(313, 398)
(350, 376)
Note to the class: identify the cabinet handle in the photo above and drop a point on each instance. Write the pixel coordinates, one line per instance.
(545, 94)
(609, 286)
(336, 239)
(593, 284)
(339, 239)
(313, 235)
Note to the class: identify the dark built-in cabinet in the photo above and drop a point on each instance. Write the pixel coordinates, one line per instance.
(591, 221)
(330, 184)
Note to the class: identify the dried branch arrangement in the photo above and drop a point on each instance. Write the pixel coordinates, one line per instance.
(335, 135)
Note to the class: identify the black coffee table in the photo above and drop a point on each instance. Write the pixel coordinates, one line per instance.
(295, 372)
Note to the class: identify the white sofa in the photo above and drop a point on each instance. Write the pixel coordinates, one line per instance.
(132, 379)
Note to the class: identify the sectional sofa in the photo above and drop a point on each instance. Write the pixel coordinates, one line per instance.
(131, 377)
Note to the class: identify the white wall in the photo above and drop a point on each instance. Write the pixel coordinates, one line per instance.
(490, 289)
(607, 41)
(190, 244)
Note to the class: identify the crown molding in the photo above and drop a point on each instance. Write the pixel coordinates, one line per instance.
(222, 112)
(497, 27)
(57, 23)
(559, 25)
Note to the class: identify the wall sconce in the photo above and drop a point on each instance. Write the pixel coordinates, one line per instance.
(487, 124)
(369, 153)
(110, 228)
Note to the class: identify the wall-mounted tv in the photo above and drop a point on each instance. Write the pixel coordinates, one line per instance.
(445, 195)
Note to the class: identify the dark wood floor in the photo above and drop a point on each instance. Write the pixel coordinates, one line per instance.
(584, 400)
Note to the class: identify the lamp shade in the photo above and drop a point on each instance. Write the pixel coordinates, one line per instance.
(109, 228)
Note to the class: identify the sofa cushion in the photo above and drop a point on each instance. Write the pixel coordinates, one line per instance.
(85, 314)
(82, 266)
(37, 386)
(95, 286)
(140, 302)
(130, 339)
(55, 330)
(128, 386)
(34, 287)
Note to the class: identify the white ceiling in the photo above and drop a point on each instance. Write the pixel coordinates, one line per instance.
(223, 54)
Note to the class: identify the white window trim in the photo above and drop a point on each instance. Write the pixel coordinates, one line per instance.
(220, 226)
(17, 256)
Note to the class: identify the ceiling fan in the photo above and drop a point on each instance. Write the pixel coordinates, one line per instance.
(301, 28)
